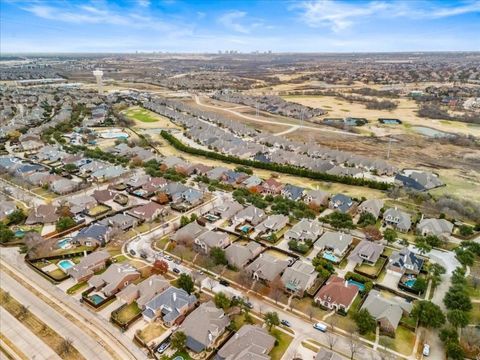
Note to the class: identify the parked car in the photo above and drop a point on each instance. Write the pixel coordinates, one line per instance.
(320, 326)
(178, 262)
(162, 347)
(285, 323)
(143, 255)
(224, 282)
(248, 304)
(168, 257)
(426, 350)
(176, 270)
(132, 252)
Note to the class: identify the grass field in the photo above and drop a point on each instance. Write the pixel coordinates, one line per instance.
(284, 341)
(147, 119)
(151, 331)
(128, 313)
(403, 342)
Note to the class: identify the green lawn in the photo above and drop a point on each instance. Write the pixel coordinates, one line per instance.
(142, 115)
(128, 313)
(183, 354)
(472, 291)
(373, 270)
(475, 314)
(403, 342)
(305, 306)
(57, 274)
(283, 340)
(160, 243)
(77, 287)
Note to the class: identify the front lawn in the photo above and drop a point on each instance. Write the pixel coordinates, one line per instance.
(182, 354)
(283, 341)
(403, 342)
(305, 306)
(372, 270)
(72, 290)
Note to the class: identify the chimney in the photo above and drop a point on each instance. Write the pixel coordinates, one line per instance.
(174, 296)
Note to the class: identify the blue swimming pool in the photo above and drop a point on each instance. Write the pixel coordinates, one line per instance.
(361, 287)
(19, 233)
(96, 299)
(245, 228)
(114, 135)
(64, 243)
(410, 282)
(330, 257)
(64, 265)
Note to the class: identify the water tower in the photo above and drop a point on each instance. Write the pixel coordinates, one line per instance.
(98, 76)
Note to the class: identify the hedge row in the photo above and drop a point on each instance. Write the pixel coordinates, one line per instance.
(286, 169)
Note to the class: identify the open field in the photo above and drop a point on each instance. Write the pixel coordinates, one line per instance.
(406, 111)
(146, 119)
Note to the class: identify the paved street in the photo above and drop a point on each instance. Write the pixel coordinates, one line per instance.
(23, 339)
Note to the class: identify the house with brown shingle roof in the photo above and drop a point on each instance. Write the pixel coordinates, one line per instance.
(89, 265)
(337, 294)
(148, 212)
(114, 279)
(43, 214)
(272, 187)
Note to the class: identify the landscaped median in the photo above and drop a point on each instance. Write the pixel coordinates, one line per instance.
(286, 169)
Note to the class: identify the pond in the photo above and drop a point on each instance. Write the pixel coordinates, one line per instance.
(430, 132)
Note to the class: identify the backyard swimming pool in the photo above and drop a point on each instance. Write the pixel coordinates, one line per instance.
(19, 233)
(114, 135)
(96, 299)
(330, 257)
(246, 228)
(410, 282)
(360, 286)
(64, 265)
(64, 243)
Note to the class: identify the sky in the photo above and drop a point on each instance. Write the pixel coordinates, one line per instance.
(249, 25)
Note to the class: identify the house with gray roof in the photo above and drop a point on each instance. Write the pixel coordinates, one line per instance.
(372, 206)
(89, 264)
(251, 215)
(143, 292)
(216, 173)
(226, 209)
(120, 221)
(405, 261)
(249, 342)
(93, 235)
(272, 224)
(305, 229)
(325, 354)
(387, 311)
(213, 324)
(42, 214)
(170, 305)
(239, 255)
(211, 239)
(334, 242)
(81, 203)
(342, 203)
(400, 220)
(252, 181)
(63, 186)
(192, 230)
(437, 227)
(299, 277)
(114, 279)
(292, 192)
(267, 267)
(366, 251)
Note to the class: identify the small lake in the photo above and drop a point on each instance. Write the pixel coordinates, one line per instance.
(430, 132)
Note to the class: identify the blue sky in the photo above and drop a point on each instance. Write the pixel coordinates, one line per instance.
(209, 26)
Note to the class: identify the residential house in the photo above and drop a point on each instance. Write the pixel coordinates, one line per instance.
(171, 305)
(304, 230)
(366, 252)
(6, 208)
(337, 294)
(226, 209)
(418, 180)
(63, 186)
(267, 267)
(107, 173)
(252, 181)
(336, 243)
(216, 173)
(272, 187)
(143, 292)
(250, 214)
(388, 311)
(89, 264)
(249, 342)
(93, 235)
(372, 206)
(82, 203)
(190, 231)
(233, 177)
(103, 196)
(114, 279)
(120, 221)
(398, 219)
(211, 239)
(190, 196)
(149, 211)
(42, 214)
(213, 324)
(299, 277)
(316, 197)
(239, 255)
(272, 224)
(292, 192)
(325, 354)
(438, 227)
(405, 261)
(342, 203)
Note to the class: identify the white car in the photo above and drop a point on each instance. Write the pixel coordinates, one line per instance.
(426, 350)
(320, 326)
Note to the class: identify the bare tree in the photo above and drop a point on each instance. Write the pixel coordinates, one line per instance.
(332, 339)
(354, 344)
(332, 321)
(186, 240)
(310, 312)
(276, 289)
(245, 279)
(211, 283)
(66, 346)
(22, 312)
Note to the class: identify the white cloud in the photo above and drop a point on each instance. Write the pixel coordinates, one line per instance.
(231, 20)
(338, 15)
(143, 3)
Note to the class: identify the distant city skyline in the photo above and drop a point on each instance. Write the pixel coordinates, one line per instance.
(243, 26)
